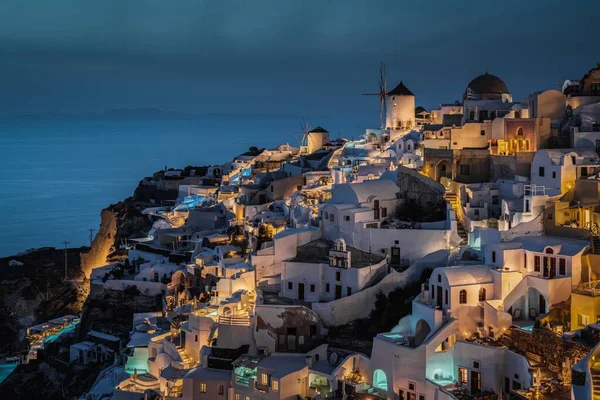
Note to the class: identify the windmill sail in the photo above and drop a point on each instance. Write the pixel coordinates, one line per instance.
(382, 95)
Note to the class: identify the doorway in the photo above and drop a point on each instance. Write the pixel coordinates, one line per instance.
(338, 292)
(475, 383)
(542, 307)
(300, 291)
(376, 209)
(439, 296)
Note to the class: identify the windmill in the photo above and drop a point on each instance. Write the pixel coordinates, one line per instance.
(302, 137)
(382, 94)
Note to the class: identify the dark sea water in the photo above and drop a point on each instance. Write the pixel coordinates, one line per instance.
(57, 174)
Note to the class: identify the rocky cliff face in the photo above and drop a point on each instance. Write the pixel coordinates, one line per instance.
(118, 223)
(35, 291)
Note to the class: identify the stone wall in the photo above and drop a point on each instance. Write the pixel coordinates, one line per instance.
(414, 186)
(507, 167)
(550, 349)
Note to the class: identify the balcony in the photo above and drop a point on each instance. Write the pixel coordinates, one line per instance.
(591, 289)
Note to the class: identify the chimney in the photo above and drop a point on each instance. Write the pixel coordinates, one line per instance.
(309, 361)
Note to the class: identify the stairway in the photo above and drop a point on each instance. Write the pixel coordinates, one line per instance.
(595, 370)
(185, 360)
(453, 200)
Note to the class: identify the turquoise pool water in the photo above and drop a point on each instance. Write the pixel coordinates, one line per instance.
(528, 328)
(6, 370)
(67, 329)
(51, 338)
(394, 335)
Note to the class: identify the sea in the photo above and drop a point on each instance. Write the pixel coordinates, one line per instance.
(58, 172)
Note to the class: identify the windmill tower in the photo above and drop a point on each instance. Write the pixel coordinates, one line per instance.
(382, 96)
(311, 140)
(400, 106)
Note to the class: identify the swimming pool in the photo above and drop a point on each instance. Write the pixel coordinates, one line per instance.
(67, 329)
(6, 370)
(394, 335)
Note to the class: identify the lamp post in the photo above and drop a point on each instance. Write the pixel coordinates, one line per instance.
(66, 275)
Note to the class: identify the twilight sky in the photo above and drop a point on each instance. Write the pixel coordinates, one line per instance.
(296, 57)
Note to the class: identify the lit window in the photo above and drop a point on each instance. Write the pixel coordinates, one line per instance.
(462, 376)
(275, 385)
(264, 379)
(203, 388)
(237, 396)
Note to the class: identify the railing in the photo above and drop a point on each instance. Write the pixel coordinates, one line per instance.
(587, 289)
(233, 320)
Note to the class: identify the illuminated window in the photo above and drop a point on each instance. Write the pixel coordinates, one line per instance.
(462, 376)
(463, 297)
(237, 396)
(203, 388)
(583, 320)
(264, 379)
(275, 385)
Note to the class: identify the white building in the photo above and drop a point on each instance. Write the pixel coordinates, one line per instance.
(315, 276)
(400, 108)
(557, 169)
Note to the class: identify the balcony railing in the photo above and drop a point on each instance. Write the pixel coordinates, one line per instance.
(233, 320)
(587, 289)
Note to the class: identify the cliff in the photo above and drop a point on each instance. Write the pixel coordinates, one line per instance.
(34, 291)
(118, 223)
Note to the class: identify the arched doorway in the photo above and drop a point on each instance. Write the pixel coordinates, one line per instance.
(380, 380)
(422, 329)
(443, 170)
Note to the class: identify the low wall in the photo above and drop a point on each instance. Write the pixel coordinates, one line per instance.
(153, 288)
(359, 305)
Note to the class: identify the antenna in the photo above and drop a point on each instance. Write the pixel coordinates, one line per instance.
(91, 236)
(382, 94)
(66, 243)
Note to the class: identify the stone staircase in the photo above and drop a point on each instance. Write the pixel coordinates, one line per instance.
(595, 371)
(185, 360)
(453, 200)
